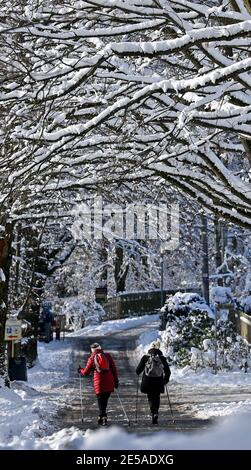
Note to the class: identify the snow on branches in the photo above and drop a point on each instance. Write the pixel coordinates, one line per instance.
(99, 92)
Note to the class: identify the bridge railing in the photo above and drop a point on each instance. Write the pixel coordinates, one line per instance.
(243, 324)
(137, 303)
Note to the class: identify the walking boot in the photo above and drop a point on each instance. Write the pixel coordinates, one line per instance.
(155, 419)
(100, 420)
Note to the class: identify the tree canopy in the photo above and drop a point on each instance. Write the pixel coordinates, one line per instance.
(97, 92)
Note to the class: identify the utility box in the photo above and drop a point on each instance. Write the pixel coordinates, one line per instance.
(17, 369)
(101, 295)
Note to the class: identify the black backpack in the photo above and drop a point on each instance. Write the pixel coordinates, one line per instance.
(154, 366)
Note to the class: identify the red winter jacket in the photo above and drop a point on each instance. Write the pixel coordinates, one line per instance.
(102, 381)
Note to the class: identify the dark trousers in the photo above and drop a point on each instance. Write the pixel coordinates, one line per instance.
(154, 402)
(102, 403)
(47, 332)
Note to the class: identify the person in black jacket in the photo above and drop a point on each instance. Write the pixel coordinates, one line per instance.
(153, 386)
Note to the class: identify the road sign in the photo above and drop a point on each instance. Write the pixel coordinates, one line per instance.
(13, 330)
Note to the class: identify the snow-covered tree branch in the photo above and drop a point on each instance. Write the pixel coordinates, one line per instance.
(136, 88)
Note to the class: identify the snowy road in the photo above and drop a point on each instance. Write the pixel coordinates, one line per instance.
(45, 413)
(122, 346)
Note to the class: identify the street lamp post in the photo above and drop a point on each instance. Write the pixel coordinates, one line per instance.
(162, 279)
(215, 337)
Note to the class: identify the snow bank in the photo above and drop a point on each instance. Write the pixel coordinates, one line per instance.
(27, 409)
(52, 367)
(232, 433)
(115, 325)
(24, 413)
(209, 379)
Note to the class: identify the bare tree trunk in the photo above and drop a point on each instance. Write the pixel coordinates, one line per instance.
(5, 263)
(120, 271)
(18, 253)
(218, 247)
(205, 267)
(103, 256)
(31, 306)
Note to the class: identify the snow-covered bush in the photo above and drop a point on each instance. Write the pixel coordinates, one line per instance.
(181, 304)
(74, 311)
(244, 303)
(221, 295)
(190, 339)
(233, 351)
(94, 314)
(187, 326)
(79, 314)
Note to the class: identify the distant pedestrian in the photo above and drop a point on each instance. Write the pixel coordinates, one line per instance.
(57, 324)
(47, 317)
(156, 374)
(105, 377)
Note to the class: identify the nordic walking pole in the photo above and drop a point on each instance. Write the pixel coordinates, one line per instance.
(137, 395)
(81, 399)
(170, 405)
(124, 411)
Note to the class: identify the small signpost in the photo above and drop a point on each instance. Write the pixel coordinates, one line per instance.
(13, 332)
(17, 369)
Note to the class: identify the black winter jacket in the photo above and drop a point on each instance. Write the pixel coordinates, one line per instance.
(153, 384)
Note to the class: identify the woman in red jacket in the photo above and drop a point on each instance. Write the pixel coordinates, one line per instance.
(105, 377)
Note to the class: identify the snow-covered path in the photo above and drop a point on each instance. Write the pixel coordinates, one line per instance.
(122, 345)
(45, 413)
